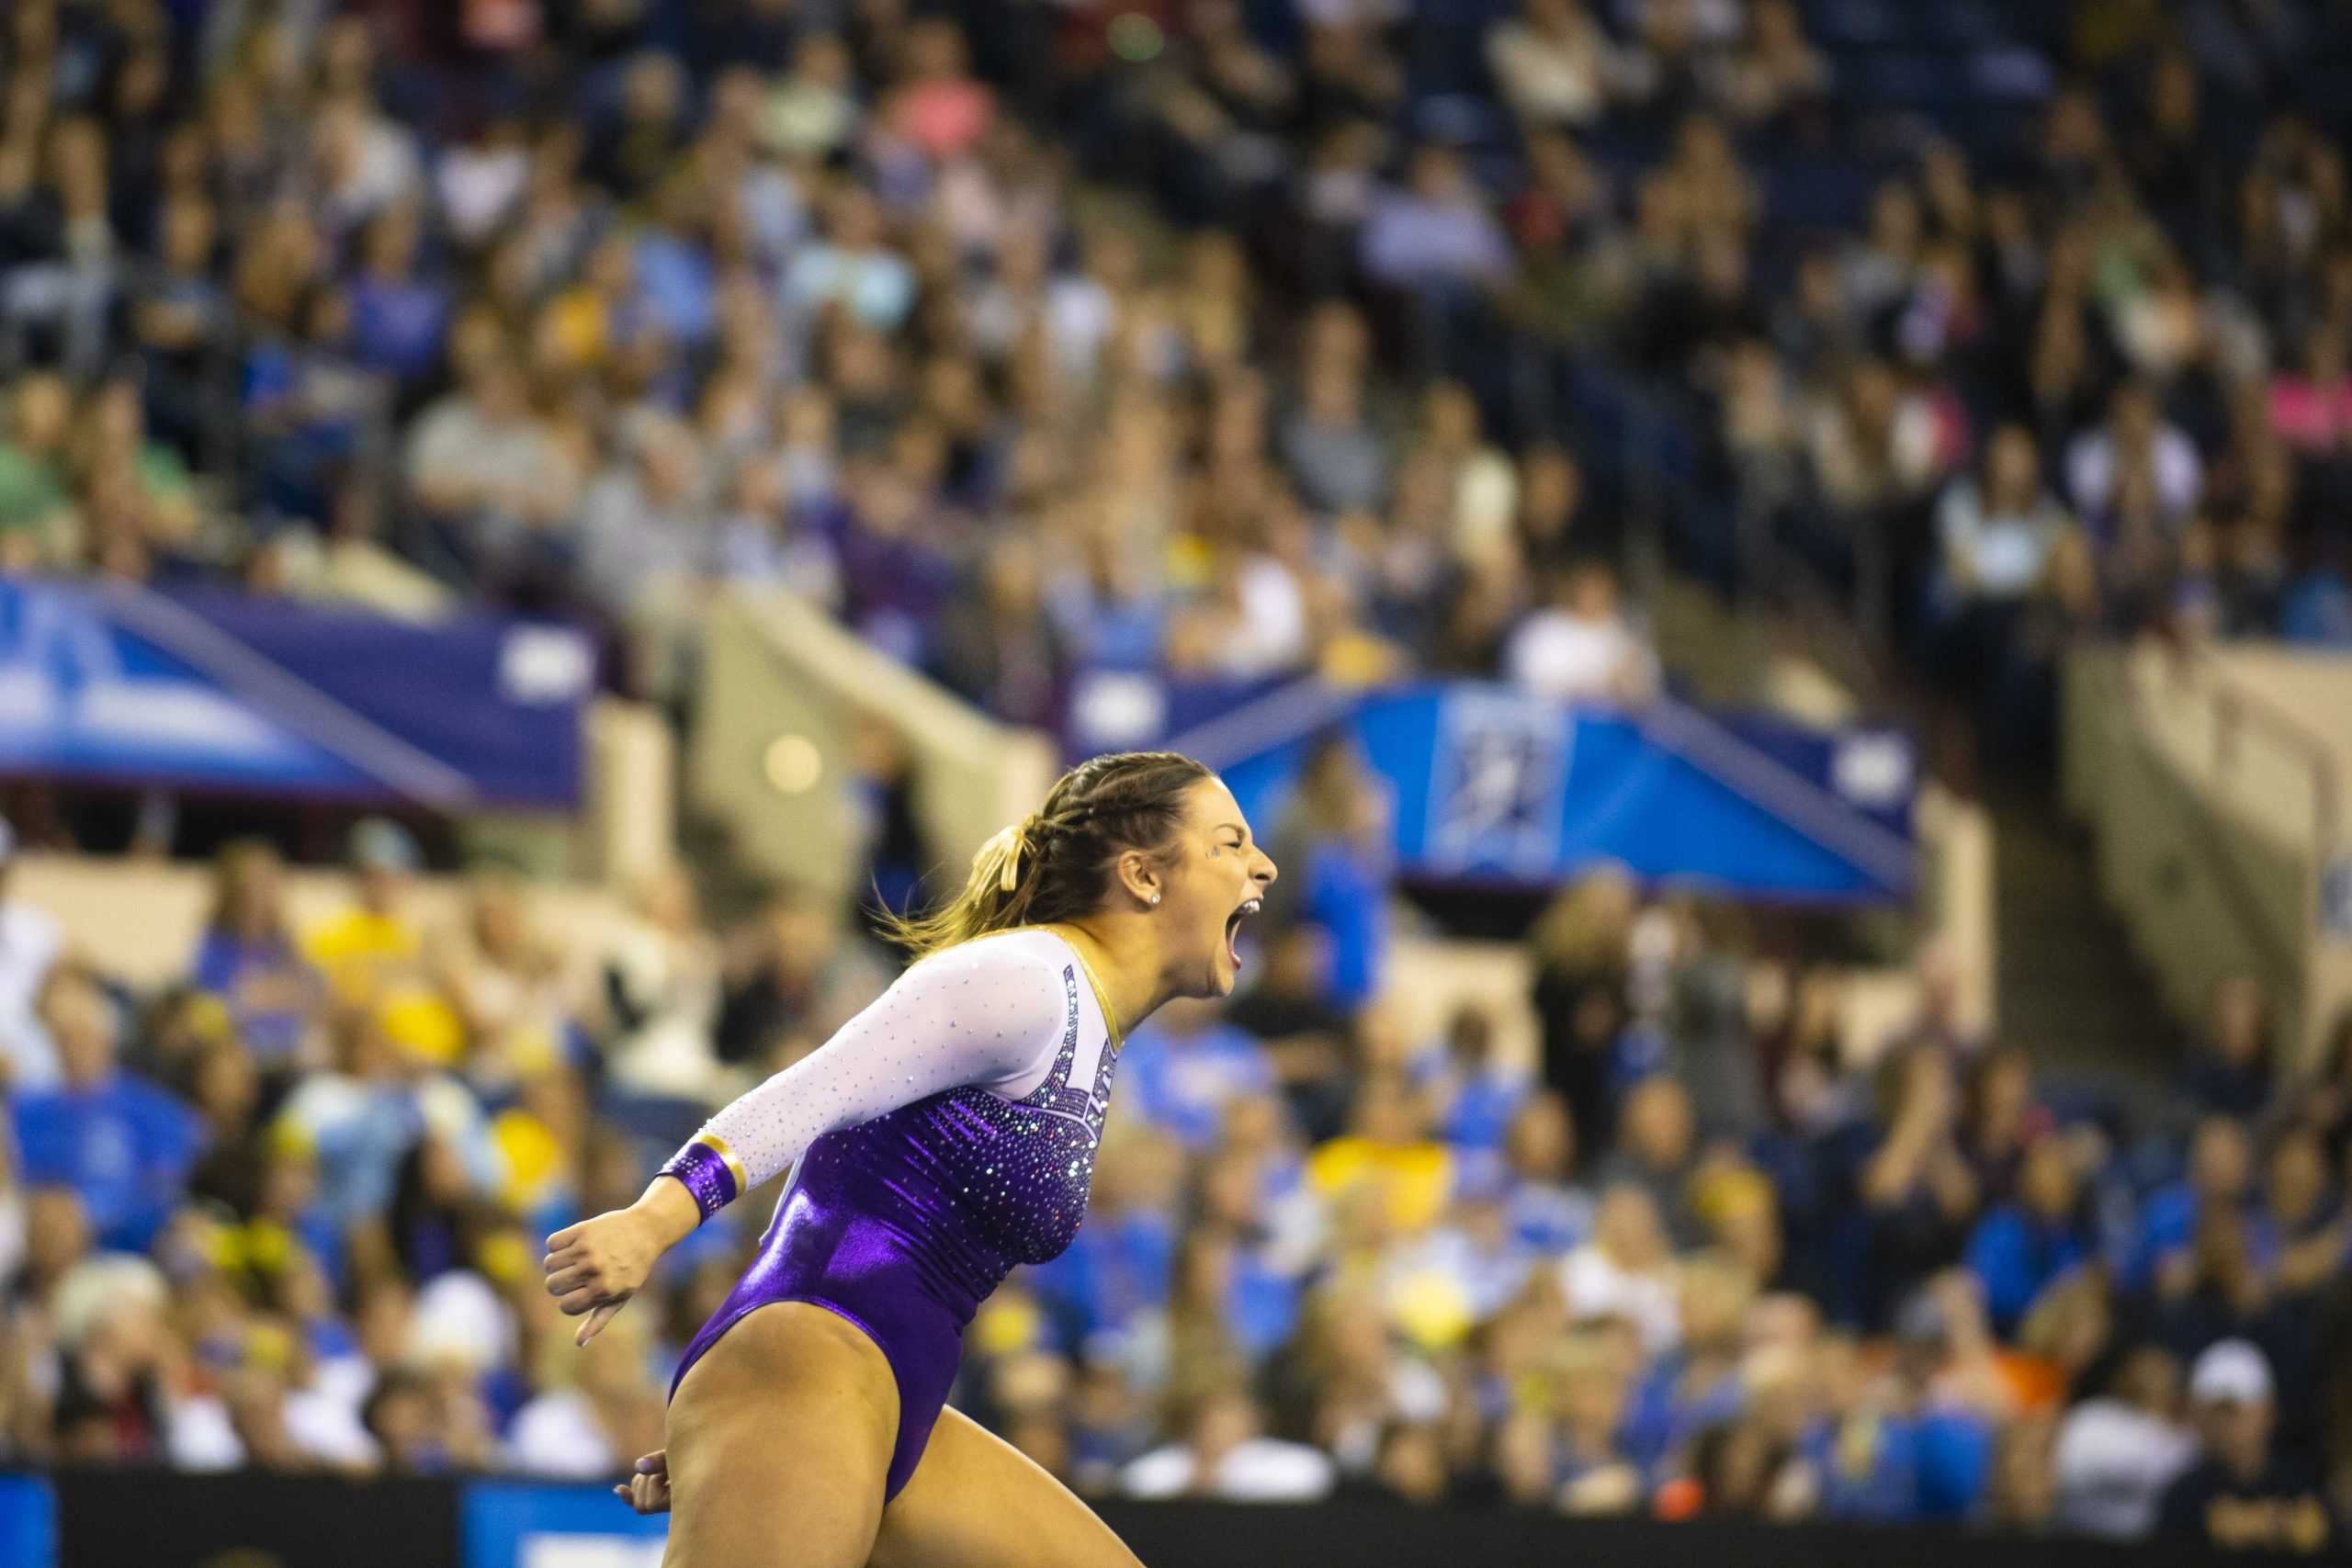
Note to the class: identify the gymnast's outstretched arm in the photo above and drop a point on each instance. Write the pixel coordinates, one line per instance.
(990, 1013)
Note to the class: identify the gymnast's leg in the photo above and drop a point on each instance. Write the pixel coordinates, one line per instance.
(977, 1502)
(778, 1444)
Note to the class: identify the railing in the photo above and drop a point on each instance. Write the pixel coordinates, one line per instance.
(2238, 708)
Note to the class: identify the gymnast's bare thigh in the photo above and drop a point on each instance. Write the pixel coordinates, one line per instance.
(977, 1502)
(779, 1443)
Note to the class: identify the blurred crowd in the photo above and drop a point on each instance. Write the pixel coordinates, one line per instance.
(591, 307)
(1697, 1253)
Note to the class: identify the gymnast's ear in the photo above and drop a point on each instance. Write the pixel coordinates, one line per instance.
(1137, 879)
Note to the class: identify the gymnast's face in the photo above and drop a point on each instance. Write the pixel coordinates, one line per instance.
(1215, 880)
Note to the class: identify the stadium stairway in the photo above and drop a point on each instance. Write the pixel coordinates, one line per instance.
(2061, 951)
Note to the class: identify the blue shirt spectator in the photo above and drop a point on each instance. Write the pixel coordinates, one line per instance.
(1192, 1065)
(1334, 841)
(677, 285)
(1931, 1464)
(1437, 232)
(248, 960)
(2021, 1247)
(2220, 1170)
(398, 318)
(1117, 1268)
(122, 1145)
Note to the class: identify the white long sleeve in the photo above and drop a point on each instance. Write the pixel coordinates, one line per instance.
(990, 1013)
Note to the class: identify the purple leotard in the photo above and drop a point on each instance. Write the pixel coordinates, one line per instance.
(904, 1223)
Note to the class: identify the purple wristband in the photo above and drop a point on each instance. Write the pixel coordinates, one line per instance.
(707, 1173)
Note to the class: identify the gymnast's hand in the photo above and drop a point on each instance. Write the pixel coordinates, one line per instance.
(648, 1488)
(596, 1266)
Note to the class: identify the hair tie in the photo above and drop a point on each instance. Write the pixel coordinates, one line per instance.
(1012, 842)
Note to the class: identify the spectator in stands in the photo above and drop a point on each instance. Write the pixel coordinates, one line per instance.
(2021, 1246)
(484, 473)
(1554, 63)
(36, 496)
(2220, 1176)
(1388, 1150)
(247, 958)
(2135, 446)
(1224, 1454)
(1335, 839)
(1998, 531)
(1579, 645)
(600, 1413)
(995, 647)
(1542, 1205)
(361, 1117)
(1592, 1472)
(112, 1404)
(2306, 1212)
(511, 987)
(1625, 1270)
(124, 1145)
(2119, 1451)
(2231, 1074)
(1198, 1063)
(1581, 949)
(1475, 1095)
(1658, 1152)
(2000, 1121)
(373, 953)
(1914, 1182)
(1435, 236)
(2242, 1494)
(1307, 1037)
(2020, 1498)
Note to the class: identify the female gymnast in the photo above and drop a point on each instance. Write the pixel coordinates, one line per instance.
(943, 1137)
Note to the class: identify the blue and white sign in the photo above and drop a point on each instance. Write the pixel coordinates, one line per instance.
(521, 1525)
(117, 682)
(1492, 785)
(1495, 776)
(28, 1523)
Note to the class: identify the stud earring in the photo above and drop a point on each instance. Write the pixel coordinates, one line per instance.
(1154, 897)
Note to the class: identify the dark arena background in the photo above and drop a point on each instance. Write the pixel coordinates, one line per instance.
(1776, 575)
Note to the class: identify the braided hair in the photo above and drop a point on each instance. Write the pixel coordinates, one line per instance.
(1056, 863)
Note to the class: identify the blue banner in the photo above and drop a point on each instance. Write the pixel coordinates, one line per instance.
(523, 1524)
(1492, 786)
(28, 1523)
(120, 684)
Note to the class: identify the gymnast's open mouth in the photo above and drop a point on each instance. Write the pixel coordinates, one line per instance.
(1247, 907)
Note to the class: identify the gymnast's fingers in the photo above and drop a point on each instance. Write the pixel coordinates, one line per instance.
(596, 1321)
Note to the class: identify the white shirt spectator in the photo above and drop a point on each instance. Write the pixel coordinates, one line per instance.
(480, 186)
(199, 1435)
(1269, 634)
(2113, 1462)
(1262, 1470)
(1079, 318)
(2004, 553)
(328, 1430)
(1555, 74)
(558, 1434)
(1561, 654)
(1597, 1287)
(2094, 470)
